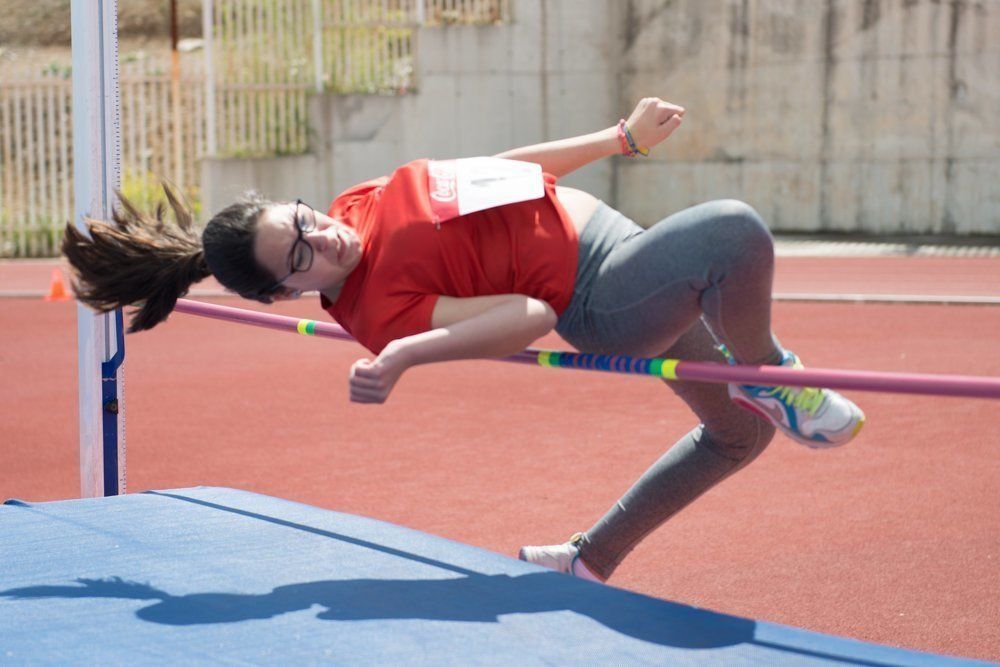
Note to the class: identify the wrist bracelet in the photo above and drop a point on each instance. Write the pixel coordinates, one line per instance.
(626, 147)
(629, 147)
(631, 142)
(623, 144)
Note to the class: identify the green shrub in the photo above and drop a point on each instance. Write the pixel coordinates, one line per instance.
(145, 191)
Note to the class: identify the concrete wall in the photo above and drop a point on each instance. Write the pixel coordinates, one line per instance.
(480, 90)
(826, 115)
(293, 177)
(483, 90)
(874, 115)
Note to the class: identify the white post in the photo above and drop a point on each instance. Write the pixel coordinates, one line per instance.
(318, 44)
(421, 17)
(208, 31)
(96, 163)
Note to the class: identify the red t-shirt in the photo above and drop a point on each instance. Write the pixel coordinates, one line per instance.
(408, 260)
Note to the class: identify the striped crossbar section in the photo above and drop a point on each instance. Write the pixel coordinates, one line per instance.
(663, 368)
(668, 369)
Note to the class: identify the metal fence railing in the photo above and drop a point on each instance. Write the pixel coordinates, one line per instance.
(257, 74)
(35, 165)
(36, 149)
(247, 97)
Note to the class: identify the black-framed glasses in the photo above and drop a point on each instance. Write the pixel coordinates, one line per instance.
(301, 256)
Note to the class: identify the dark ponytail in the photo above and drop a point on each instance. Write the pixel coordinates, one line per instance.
(142, 259)
(151, 261)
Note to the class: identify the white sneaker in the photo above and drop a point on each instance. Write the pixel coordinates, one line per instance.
(817, 418)
(563, 558)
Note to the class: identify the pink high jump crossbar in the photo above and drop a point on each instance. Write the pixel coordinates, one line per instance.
(668, 369)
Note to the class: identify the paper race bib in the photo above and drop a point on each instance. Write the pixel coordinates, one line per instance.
(467, 185)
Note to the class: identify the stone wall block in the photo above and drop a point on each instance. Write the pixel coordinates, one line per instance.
(428, 119)
(839, 115)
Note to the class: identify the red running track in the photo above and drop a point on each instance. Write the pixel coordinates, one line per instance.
(933, 276)
(893, 539)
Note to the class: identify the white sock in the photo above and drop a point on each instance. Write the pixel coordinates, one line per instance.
(581, 570)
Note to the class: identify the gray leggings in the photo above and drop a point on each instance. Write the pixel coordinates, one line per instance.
(698, 277)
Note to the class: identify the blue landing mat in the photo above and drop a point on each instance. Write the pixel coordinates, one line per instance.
(212, 575)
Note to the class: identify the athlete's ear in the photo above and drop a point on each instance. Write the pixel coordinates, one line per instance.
(286, 294)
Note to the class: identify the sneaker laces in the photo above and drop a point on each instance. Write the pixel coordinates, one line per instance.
(800, 398)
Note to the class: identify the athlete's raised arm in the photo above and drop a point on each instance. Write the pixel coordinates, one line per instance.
(652, 121)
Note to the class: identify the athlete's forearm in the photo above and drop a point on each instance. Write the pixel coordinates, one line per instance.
(498, 332)
(567, 155)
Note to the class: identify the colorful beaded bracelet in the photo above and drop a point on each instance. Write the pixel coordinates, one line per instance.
(628, 145)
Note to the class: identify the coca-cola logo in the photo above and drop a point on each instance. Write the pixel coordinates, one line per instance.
(444, 184)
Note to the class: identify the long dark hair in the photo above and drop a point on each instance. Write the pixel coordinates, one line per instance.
(147, 260)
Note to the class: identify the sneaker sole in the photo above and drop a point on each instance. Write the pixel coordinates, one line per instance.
(812, 444)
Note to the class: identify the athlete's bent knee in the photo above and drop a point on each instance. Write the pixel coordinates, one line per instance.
(746, 233)
(741, 442)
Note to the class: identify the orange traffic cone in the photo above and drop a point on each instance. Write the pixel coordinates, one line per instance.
(57, 290)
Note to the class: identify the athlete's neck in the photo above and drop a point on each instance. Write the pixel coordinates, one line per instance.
(331, 293)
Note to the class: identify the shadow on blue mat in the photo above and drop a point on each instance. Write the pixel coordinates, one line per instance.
(470, 597)
(475, 598)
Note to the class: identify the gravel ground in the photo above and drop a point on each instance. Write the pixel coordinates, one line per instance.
(41, 23)
(35, 34)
